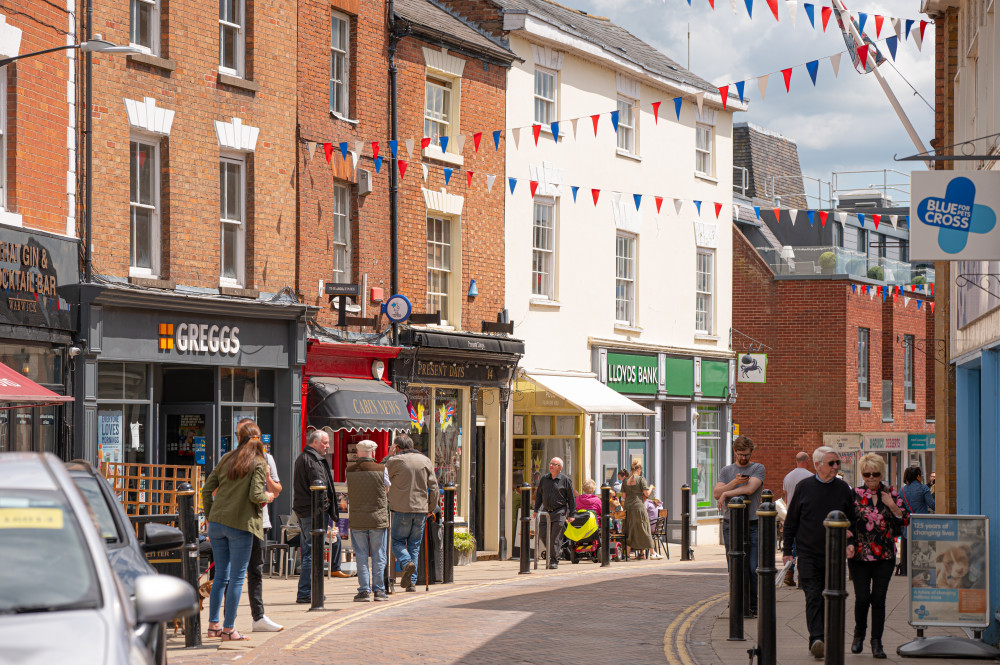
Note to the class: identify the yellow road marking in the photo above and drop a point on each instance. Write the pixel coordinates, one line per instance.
(675, 637)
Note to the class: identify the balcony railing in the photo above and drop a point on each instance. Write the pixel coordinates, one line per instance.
(803, 261)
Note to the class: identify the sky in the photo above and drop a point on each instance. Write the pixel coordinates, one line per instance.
(842, 124)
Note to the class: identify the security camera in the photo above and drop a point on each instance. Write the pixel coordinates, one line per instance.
(74, 351)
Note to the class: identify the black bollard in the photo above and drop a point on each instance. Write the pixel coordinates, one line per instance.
(737, 515)
(605, 526)
(317, 533)
(448, 537)
(836, 524)
(525, 529)
(767, 608)
(686, 552)
(189, 556)
(747, 572)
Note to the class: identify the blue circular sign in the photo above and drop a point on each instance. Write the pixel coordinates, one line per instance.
(397, 308)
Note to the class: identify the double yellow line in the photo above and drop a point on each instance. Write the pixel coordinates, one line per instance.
(675, 637)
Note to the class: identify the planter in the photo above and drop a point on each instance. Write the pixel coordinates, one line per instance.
(463, 558)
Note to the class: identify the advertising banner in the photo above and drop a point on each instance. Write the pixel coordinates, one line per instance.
(949, 570)
(954, 216)
(109, 436)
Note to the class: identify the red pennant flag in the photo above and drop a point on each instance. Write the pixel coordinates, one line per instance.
(536, 130)
(863, 55)
(826, 11)
(656, 113)
(932, 287)
(777, 214)
(424, 142)
(773, 4)
(534, 186)
(895, 297)
(402, 167)
(878, 24)
(822, 219)
(718, 209)
(931, 303)
(374, 149)
(787, 73)
(712, 2)
(724, 91)
(595, 118)
(595, 193)
(659, 202)
(897, 290)
(328, 151)
(468, 178)
(876, 219)
(923, 26)
(476, 138)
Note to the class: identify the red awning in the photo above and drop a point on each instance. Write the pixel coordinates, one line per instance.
(18, 389)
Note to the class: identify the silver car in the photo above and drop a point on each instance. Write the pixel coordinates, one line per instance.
(60, 600)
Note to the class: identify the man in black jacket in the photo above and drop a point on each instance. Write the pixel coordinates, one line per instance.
(555, 494)
(312, 466)
(813, 500)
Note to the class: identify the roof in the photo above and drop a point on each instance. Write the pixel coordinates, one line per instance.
(433, 21)
(614, 39)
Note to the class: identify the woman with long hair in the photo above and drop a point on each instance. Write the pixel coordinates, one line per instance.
(639, 536)
(233, 496)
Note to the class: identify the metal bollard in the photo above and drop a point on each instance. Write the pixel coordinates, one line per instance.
(317, 533)
(737, 515)
(686, 552)
(836, 524)
(189, 556)
(448, 537)
(747, 571)
(525, 529)
(605, 526)
(767, 608)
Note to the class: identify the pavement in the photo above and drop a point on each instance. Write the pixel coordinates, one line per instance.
(640, 612)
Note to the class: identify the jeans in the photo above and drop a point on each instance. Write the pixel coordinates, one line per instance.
(373, 540)
(407, 533)
(255, 575)
(305, 575)
(231, 552)
(812, 577)
(871, 584)
(753, 559)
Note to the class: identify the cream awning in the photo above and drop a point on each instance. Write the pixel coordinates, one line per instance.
(586, 393)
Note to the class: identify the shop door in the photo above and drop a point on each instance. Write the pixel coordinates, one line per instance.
(477, 481)
(184, 435)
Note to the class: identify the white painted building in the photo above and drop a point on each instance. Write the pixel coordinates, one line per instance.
(625, 313)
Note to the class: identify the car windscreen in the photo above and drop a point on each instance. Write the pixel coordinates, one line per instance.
(103, 518)
(46, 565)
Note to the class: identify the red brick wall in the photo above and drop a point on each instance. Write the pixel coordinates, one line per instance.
(38, 156)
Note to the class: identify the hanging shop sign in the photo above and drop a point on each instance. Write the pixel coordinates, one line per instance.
(753, 368)
(884, 441)
(955, 216)
(34, 268)
(632, 374)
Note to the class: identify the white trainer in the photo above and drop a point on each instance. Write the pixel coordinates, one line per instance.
(265, 625)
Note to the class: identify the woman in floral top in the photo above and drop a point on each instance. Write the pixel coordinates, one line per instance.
(879, 515)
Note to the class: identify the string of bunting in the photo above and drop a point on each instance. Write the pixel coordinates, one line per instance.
(872, 290)
(825, 12)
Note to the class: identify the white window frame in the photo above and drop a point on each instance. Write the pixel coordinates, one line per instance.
(864, 364)
(544, 256)
(705, 152)
(341, 233)
(153, 48)
(704, 310)
(432, 117)
(240, 268)
(909, 370)
(626, 250)
(340, 89)
(155, 236)
(628, 125)
(450, 269)
(543, 102)
(239, 25)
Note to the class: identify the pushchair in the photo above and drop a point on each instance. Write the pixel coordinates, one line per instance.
(582, 536)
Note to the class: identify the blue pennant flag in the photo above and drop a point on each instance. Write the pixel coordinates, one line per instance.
(496, 139)
(885, 293)
(756, 212)
(447, 176)
(378, 163)
(919, 302)
(811, 215)
(861, 219)
(907, 221)
(697, 204)
(393, 147)
(677, 106)
(444, 144)
(813, 68)
(810, 9)
(575, 190)
(862, 17)
(614, 120)
(739, 88)
(513, 183)
(892, 42)
(555, 131)
(343, 150)
(749, 7)
(854, 288)
(638, 199)
(909, 24)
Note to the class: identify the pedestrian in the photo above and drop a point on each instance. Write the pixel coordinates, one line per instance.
(933, 480)
(742, 478)
(367, 481)
(412, 497)
(255, 571)
(588, 500)
(555, 494)
(638, 534)
(917, 496)
(653, 506)
(813, 500)
(622, 477)
(792, 478)
(879, 516)
(233, 496)
(311, 466)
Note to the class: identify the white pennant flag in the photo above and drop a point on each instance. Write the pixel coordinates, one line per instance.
(906, 301)
(917, 39)
(516, 135)
(793, 6)
(358, 146)
(489, 182)
(894, 219)
(460, 143)
(735, 6)
(762, 85)
(616, 198)
(409, 147)
(835, 62)
(793, 213)
(677, 205)
(700, 98)
(736, 211)
(354, 161)
(897, 27)
(574, 121)
(871, 293)
(842, 218)
(424, 167)
(312, 149)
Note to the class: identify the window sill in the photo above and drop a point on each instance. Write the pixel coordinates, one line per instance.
(544, 303)
(238, 292)
(237, 82)
(337, 116)
(150, 60)
(705, 337)
(628, 155)
(864, 405)
(706, 178)
(10, 218)
(888, 420)
(435, 152)
(152, 282)
(909, 407)
(626, 329)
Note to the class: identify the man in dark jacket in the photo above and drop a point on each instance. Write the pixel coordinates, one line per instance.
(310, 467)
(555, 494)
(366, 484)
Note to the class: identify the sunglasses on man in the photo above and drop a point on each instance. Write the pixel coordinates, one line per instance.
(835, 462)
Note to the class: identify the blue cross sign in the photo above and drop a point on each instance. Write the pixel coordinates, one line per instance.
(942, 226)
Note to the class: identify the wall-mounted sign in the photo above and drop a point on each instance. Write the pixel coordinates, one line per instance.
(884, 441)
(199, 338)
(110, 437)
(753, 368)
(632, 374)
(955, 215)
(397, 308)
(921, 441)
(949, 570)
(33, 269)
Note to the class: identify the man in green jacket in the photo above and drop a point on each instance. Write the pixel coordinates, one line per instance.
(367, 481)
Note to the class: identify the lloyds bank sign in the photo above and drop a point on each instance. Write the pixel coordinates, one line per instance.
(632, 374)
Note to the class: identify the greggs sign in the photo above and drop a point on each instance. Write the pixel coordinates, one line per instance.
(199, 338)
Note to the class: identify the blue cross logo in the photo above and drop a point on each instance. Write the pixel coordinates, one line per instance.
(956, 215)
(921, 612)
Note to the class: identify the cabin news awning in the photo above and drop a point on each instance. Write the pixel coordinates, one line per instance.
(355, 405)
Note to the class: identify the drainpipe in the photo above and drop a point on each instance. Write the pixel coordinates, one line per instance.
(394, 40)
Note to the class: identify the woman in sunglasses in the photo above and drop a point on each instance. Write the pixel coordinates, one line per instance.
(879, 516)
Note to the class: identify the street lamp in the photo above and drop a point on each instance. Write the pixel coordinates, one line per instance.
(97, 45)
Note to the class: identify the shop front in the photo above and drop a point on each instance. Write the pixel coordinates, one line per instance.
(920, 452)
(899, 450)
(458, 388)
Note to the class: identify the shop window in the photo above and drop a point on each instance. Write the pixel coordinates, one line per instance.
(188, 384)
(709, 458)
(41, 364)
(548, 436)
(244, 385)
(448, 440)
(232, 415)
(340, 64)
(122, 380)
(623, 439)
(122, 432)
(421, 416)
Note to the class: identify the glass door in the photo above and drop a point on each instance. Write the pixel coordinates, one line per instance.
(184, 435)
